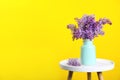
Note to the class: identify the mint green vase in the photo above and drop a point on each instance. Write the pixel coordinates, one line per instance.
(88, 53)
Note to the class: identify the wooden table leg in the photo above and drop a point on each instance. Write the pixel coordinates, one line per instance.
(100, 77)
(88, 75)
(70, 73)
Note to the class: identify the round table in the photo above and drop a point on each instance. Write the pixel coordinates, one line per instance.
(101, 65)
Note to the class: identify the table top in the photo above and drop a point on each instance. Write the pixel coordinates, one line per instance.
(101, 65)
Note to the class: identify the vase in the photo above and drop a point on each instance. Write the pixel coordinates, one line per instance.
(88, 53)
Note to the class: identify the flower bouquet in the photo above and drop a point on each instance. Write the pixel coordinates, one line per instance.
(88, 28)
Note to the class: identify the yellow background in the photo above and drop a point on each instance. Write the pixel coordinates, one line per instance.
(34, 37)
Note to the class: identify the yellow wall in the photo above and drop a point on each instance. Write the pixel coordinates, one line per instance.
(34, 37)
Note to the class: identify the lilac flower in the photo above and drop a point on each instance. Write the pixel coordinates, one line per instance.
(88, 28)
(73, 62)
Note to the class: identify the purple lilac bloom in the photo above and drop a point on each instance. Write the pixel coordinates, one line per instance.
(73, 62)
(88, 28)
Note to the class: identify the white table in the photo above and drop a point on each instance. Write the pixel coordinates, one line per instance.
(101, 65)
